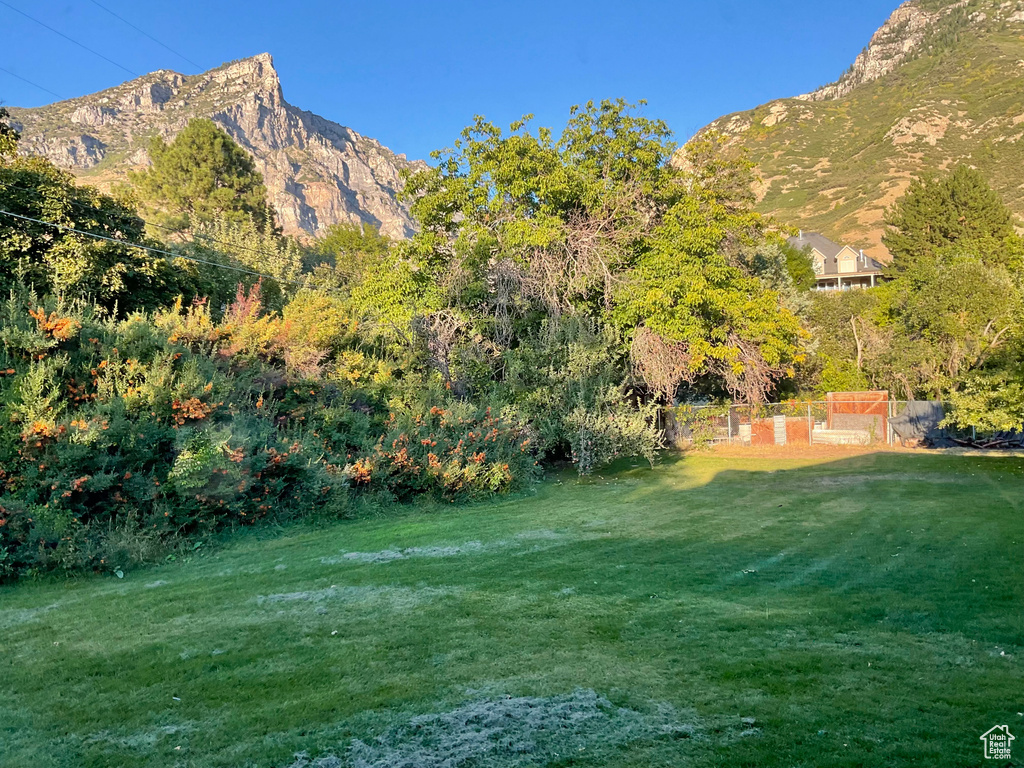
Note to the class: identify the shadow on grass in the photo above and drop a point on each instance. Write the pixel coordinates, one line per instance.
(865, 611)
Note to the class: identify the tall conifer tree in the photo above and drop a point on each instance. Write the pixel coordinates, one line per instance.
(201, 177)
(958, 212)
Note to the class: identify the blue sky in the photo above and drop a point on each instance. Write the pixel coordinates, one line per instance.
(412, 74)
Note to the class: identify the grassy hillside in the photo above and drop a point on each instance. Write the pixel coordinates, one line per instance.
(714, 611)
(834, 166)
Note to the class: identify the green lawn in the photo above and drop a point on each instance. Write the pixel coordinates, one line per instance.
(864, 611)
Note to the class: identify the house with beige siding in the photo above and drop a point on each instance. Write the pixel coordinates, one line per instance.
(838, 267)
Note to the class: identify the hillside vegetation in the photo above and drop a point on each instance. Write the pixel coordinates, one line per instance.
(173, 366)
(835, 160)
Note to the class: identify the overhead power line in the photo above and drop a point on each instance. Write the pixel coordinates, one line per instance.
(126, 218)
(150, 249)
(34, 85)
(146, 34)
(83, 46)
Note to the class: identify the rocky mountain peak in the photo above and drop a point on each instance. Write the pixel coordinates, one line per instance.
(895, 41)
(908, 32)
(255, 68)
(941, 83)
(256, 73)
(317, 172)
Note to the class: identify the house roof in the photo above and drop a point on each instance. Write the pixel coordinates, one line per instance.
(831, 250)
(1003, 729)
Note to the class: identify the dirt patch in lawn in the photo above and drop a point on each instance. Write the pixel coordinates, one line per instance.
(510, 732)
(800, 451)
(143, 740)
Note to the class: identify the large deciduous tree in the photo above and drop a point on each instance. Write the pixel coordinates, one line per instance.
(945, 320)
(66, 242)
(520, 226)
(687, 288)
(920, 336)
(8, 136)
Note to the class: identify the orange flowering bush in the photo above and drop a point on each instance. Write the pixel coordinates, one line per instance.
(122, 429)
(452, 453)
(55, 326)
(362, 471)
(192, 409)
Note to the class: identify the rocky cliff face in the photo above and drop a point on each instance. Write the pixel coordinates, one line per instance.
(317, 172)
(898, 39)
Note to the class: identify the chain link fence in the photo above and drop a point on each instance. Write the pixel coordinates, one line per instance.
(842, 419)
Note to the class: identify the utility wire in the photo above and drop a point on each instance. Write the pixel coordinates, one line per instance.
(69, 39)
(34, 85)
(146, 248)
(127, 219)
(146, 34)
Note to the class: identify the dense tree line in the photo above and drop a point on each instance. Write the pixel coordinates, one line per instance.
(172, 365)
(948, 325)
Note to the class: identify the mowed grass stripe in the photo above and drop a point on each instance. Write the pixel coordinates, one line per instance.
(863, 611)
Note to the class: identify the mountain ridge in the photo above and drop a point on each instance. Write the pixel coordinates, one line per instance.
(317, 172)
(902, 35)
(941, 83)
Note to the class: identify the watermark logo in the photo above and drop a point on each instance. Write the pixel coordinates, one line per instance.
(997, 743)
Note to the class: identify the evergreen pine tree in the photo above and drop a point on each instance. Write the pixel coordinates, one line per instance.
(200, 177)
(957, 212)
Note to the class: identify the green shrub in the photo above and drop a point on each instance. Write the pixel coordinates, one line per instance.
(611, 429)
(120, 439)
(568, 382)
(699, 424)
(455, 453)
